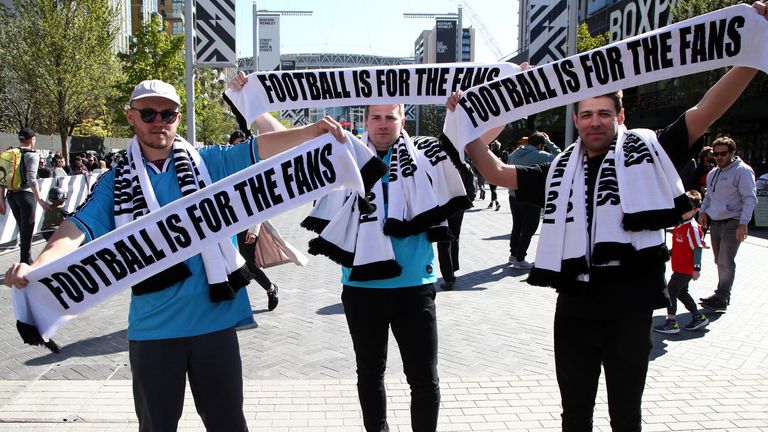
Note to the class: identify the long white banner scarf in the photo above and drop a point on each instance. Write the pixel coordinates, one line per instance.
(734, 36)
(418, 84)
(89, 275)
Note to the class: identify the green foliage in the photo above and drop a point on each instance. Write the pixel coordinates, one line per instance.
(585, 41)
(153, 54)
(213, 121)
(57, 56)
(431, 118)
(97, 127)
(684, 9)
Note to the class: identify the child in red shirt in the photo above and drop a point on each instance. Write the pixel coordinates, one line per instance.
(687, 243)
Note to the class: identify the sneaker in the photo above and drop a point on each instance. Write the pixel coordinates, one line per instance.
(490, 205)
(522, 264)
(498, 206)
(447, 285)
(512, 259)
(272, 299)
(669, 327)
(699, 321)
(714, 304)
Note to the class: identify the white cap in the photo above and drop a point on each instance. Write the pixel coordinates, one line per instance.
(155, 88)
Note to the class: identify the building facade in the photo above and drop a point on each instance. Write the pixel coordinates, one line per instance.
(542, 37)
(439, 44)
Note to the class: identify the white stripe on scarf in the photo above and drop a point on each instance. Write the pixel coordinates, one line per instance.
(636, 181)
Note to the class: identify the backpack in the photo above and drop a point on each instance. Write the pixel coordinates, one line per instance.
(12, 168)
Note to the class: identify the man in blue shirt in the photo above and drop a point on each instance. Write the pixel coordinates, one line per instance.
(176, 330)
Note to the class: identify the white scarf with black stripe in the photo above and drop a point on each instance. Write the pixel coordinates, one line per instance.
(424, 188)
(637, 193)
(135, 197)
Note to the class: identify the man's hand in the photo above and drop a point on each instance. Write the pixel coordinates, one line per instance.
(741, 232)
(761, 7)
(453, 100)
(324, 125)
(238, 81)
(704, 220)
(17, 275)
(695, 275)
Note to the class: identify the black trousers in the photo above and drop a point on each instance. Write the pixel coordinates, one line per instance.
(411, 314)
(622, 347)
(525, 221)
(678, 290)
(248, 252)
(448, 251)
(23, 206)
(212, 362)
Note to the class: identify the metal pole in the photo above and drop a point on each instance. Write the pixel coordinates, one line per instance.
(459, 39)
(573, 23)
(189, 60)
(255, 59)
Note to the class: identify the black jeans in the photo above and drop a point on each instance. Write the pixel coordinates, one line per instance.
(678, 290)
(160, 368)
(23, 206)
(525, 221)
(411, 313)
(248, 252)
(448, 251)
(622, 347)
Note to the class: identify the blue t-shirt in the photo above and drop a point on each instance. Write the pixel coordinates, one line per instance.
(413, 253)
(183, 309)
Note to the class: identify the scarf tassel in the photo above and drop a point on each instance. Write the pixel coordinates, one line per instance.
(162, 280)
(31, 336)
(321, 246)
(376, 270)
(314, 224)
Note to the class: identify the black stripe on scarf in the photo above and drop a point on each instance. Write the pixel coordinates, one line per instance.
(376, 270)
(658, 219)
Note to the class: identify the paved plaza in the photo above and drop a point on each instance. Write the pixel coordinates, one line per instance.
(496, 359)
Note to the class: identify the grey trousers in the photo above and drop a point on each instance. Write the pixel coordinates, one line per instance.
(724, 247)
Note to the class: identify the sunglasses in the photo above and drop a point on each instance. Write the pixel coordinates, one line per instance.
(148, 115)
(721, 154)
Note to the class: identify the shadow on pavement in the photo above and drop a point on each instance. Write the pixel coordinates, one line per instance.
(491, 274)
(660, 339)
(334, 309)
(96, 346)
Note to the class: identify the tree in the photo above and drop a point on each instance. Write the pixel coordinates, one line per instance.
(213, 121)
(153, 54)
(585, 41)
(62, 50)
(684, 9)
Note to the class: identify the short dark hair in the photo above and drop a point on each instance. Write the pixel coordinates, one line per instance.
(537, 139)
(367, 109)
(617, 97)
(236, 135)
(725, 141)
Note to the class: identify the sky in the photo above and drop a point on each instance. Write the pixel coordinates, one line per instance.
(377, 27)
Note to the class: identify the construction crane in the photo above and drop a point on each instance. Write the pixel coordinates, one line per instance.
(490, 41)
